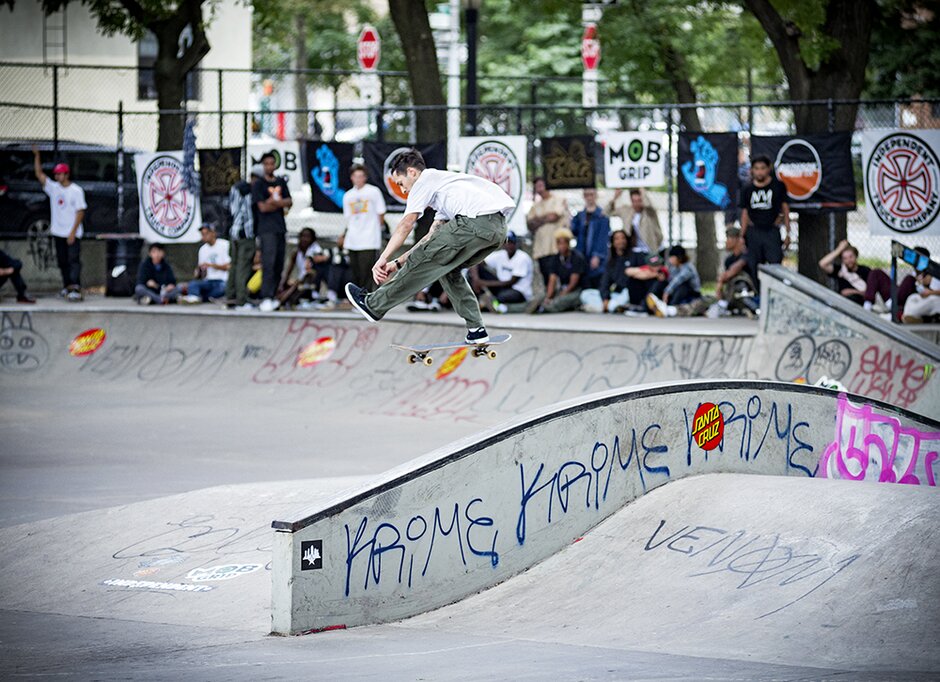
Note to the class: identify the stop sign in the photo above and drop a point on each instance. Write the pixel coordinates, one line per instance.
(590, 48)
(368, 48)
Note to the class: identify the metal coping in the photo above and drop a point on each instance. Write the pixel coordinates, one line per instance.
(588, 404)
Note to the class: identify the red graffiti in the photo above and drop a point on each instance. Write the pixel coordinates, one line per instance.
(886, 375)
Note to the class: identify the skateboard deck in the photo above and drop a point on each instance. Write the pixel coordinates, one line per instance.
(422, 352)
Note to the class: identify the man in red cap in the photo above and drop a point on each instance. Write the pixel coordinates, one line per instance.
(67, 203)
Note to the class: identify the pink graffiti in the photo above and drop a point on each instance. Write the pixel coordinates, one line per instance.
(886, 375)
(869, 446)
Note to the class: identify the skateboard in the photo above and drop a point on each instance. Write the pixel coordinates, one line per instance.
(422, 353)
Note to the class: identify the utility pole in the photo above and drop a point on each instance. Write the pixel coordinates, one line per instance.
(453, 83)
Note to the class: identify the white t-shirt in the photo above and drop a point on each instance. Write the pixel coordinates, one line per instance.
(300, 260)
(505, 268)
(362, 208)
(216, 254)
(65, 202)
(453, 194)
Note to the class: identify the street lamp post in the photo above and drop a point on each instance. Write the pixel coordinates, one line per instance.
(471, 17)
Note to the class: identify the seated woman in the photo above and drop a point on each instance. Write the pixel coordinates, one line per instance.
(626, 279)
(681, 287)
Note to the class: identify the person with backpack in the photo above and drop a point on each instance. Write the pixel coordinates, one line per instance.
(241, 239)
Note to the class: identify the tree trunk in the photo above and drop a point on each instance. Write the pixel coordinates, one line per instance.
(841, 76)
(424, 76)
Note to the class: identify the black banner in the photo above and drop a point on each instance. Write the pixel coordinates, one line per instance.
(708, 171)
(816, 169)
(327, 170)
(568, 162)
(219, 169)
(376, 154)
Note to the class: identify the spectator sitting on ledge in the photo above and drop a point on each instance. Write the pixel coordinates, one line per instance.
(565, 272)
(214, 260)
(156, 282)
(619, 289)
(10, 268)
(680, 288)
(924, 304)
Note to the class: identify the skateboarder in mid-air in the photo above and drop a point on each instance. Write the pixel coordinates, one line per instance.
(469, 224)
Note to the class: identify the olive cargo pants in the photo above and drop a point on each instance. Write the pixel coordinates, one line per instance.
(458, 243)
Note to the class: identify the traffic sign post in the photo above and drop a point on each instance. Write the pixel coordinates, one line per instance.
(591, 58)
(368, 48)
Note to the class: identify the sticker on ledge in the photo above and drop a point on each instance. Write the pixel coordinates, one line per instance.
(453, 361)
(87, 342)
(708, 426)
(225, 572)
(315, 352)
(311, 555)
(154, 585)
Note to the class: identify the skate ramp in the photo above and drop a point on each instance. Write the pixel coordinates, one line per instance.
(475, 513)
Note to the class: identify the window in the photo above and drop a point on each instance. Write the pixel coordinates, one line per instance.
(146, 59)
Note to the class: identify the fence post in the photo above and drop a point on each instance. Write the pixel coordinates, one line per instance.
(831, 124)
(895, 313)
(669, 188)
(246, 162)
(120, 166)
(380, 114)
(221, 107)
(55, 109)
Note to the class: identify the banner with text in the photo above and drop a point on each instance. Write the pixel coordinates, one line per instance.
(816, 169)
(501, 160)
(377, 155)
(328, 166)
(168, 211)
(901, 171)
(219, 169)
(708, 169)
(634, 159)
(568, 162)
(288, 163)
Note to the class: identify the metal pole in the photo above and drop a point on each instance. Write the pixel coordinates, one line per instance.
(55, 109)
(120, 166)
(472, 15)
(669, 188)
(895, 316)
(246, 162)
(453, 83)
(221, 107)
(380, 114)
(832, 216)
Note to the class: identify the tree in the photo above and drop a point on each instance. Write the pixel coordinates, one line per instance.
(823, 48)
(180, 31)
(414, 32)
(905, 61)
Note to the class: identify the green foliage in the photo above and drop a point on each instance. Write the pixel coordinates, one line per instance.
(809, 17)
(905, 53)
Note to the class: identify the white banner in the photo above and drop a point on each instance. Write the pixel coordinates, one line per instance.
(902, 181)
(634, 159)
(501, 160)
(287, 159)
(168, 211)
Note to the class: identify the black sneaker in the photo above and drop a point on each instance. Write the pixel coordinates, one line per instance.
(476, 336)
(357, 296)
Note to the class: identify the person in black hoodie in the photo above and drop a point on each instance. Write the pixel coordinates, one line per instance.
(156, 282)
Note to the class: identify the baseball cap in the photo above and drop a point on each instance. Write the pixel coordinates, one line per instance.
(60, 168)
(257, 170)
(511, 236)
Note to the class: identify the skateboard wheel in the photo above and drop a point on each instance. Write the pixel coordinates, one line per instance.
(412, 359)
(427, 361)
(491, 354)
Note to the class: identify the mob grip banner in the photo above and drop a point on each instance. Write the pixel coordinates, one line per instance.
(634, 159)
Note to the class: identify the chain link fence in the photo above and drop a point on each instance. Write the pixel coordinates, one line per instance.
(74, 104)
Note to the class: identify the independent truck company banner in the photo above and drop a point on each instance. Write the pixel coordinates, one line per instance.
(635, 159)
(816, 169)
(168, 211)
(708, 169)
(501, 160)
(902, 181)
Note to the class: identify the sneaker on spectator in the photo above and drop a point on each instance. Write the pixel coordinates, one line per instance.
(25, 298)
(635, 311)
(500, 308)
(190, 299)
(714, 311)
(656, 305)
(269, 305)
(417, 306)
(435, 306)
(246, 306)
(326, 305)
(307, 305)
(144, 300)
(74, 296)
(63, 293)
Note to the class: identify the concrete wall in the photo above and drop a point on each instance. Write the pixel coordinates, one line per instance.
(469, 516)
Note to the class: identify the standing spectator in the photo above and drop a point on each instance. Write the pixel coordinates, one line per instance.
(271, 197)
(591, 229)
(242, 238)
(682, 286)
(925, 302)
(504, 277)
(639, 218)
(851, 277)
(340, 273)
(566, 272)
(548, 214)
(156, 282)
(364, 210)
(618, 289)
(763, 201)
(67, 211)
(212, 269)
(10, 268)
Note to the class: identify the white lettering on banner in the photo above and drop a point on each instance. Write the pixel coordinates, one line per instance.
(902, 181)
(634, 159)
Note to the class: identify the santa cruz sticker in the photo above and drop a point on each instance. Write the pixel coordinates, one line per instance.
(87, 342)
(708, 426)
(166, 204)
(453, 361)
(902, 183)
(497, 163)
(316, 352)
